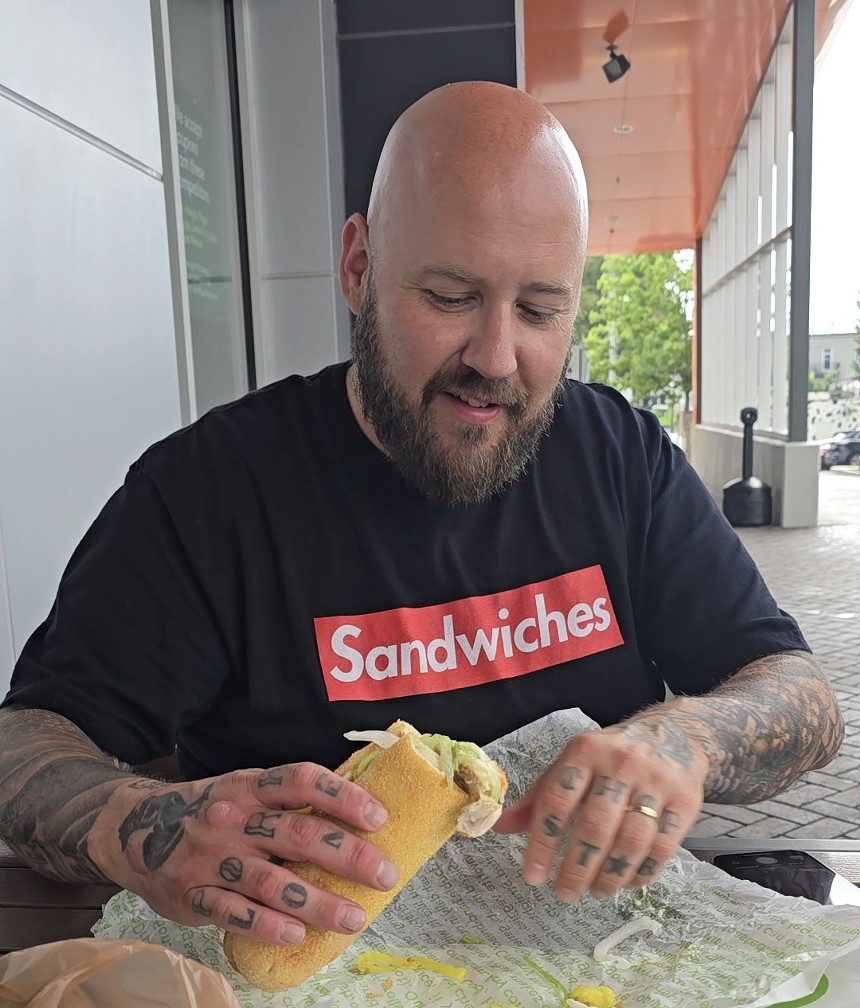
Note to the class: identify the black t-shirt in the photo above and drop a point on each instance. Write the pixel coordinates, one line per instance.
(264, 581)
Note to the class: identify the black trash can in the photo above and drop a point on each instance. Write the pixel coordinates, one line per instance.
(747, 501)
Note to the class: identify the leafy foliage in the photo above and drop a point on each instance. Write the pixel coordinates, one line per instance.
(640, 335)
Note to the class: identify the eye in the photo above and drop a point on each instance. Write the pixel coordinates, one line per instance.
(446, 301)
(537, 316)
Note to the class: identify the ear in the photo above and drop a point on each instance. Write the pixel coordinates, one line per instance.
(354, 261)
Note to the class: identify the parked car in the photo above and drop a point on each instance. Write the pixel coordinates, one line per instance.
(842, 449)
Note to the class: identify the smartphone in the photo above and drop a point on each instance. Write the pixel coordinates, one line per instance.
(792, 873)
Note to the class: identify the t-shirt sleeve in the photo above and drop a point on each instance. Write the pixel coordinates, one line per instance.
(130, 650)
(707, 611)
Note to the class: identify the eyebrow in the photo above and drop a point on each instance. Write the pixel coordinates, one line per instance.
(557, 289)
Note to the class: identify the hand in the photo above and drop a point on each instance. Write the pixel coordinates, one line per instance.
(211, 851)
(623, 798)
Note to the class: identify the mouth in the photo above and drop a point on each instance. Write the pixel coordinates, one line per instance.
(475, 403)
(474, 411)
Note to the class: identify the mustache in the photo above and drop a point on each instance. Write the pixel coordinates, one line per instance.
(463, 380)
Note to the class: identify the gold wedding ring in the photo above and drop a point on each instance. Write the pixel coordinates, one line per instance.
(645, 810)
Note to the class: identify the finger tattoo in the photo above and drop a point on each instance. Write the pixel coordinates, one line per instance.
(242, 922)
(230, 869)
(669, 822)
(648, 867)
(270, 779)
(618, 865)
(329, 785)
(198, 906)
(615, 789)
(646, 799)
(333, 839)
(294, 895)
(586, 852)
(256, 824)
(551, 826)
(570, 777)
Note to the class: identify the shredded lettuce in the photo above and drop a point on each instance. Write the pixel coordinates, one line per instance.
(364, 764)
(384, 739)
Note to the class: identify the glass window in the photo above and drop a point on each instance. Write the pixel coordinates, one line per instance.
(204, 137)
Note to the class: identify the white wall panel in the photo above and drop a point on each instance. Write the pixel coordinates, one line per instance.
(88, 376)
(89, 62)
(302, 311)
(295, 181)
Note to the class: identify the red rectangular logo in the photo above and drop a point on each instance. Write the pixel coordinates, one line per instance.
(401, 652)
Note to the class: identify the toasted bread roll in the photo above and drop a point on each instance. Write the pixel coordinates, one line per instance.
(424, 810)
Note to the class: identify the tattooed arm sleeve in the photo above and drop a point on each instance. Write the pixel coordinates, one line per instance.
(53, 783)
(773, 721)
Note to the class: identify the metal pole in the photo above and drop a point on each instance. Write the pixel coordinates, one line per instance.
(801, 210)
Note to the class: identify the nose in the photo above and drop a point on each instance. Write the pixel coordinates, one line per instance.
(491, 347)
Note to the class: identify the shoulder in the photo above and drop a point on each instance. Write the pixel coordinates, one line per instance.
(264, 418)
(601, 412)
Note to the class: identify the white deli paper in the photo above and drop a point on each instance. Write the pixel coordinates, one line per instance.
(723, 943)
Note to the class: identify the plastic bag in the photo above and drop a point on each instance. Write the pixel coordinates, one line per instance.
(95, 973)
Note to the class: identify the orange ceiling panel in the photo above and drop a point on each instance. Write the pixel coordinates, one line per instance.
(695, 70)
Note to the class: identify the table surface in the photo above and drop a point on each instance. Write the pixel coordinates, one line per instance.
(35, 910)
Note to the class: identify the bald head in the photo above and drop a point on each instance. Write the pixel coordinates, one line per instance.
(475, 137)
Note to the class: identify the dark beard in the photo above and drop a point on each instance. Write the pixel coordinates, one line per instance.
(467, 472)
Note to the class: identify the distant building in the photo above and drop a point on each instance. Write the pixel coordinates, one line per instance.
(831, 352)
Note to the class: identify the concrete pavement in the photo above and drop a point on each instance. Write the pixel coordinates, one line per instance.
(814, 574)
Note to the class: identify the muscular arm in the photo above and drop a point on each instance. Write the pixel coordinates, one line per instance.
(53, 783)
(773, 721)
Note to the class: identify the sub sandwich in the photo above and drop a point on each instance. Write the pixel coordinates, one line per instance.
(432, 788)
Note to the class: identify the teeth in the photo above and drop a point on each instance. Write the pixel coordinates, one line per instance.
(472, 402)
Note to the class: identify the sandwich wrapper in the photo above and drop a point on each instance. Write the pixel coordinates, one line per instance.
(724, 942)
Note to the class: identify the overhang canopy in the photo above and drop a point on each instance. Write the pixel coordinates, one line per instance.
(696, 69)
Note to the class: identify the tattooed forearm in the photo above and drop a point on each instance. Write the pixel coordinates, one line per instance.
(53, 783)
(770, 723)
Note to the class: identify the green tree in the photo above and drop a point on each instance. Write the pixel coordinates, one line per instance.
(641, 333)
(588, 298)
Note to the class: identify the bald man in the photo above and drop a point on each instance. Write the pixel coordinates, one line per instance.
(445, 530)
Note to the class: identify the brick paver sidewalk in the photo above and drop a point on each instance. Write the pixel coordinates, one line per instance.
(814, 574)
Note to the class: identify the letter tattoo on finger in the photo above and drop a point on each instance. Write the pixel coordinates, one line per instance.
(230, 869)
(333, 839)
(570, 777)
(198, 906)
(294, 895)
(618, 865)
(648, 868)
(669, 822)
(615, 789)
(330, 786)
(270, 779)
(256, 824)
(243, 922)
(551, 826)
(586, 852)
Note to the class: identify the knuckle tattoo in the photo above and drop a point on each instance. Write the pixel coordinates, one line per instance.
(551, 826)
(231, 869)
(586, 852)
(570, 777)
(294, 895)
(334, 839)
(246, 922)
(258, 824)
(329, 784)
(271, 778)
